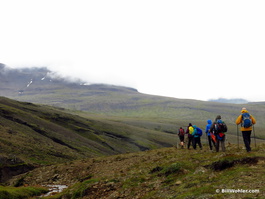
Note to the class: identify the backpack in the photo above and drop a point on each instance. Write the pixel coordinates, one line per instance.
(220, 136)
(190, 131)
(198, 132)
(220, 127)
(194, 131)
(246, 120)
(181, 132)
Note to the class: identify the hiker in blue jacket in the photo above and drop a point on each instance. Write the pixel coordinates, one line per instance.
(209, 134)
(197, 133)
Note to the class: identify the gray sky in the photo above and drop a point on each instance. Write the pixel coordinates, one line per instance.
(184, 49)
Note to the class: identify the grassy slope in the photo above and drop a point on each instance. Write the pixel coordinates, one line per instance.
(125, 103)
(127, 121)
(21, 192)
(63, 137)
(161, 173)
(151, 123)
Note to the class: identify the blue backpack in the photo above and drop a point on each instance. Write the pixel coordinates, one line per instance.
(246, 120)
(198, 132)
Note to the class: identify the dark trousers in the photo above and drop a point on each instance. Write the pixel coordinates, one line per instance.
(197, 140)
(190, 141)
(247, 139)
(210, 140)
(222, 142)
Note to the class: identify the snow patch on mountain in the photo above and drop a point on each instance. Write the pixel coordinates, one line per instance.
(31, 81)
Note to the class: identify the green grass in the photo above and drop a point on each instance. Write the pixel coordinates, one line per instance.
(68, 136)
(167, 173)
(21, 192)
(118, 121)
(64, 136)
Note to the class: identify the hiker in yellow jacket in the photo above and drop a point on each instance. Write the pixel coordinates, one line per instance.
(246, 120)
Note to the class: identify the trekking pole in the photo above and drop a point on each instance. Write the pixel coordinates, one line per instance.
(237, 137)
(254, 136)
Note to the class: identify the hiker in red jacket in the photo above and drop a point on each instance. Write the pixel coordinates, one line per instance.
(181, 135)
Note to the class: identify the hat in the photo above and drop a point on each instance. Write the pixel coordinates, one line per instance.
(218, 117)
(244, 110)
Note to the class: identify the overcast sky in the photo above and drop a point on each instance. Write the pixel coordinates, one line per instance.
(184, 49)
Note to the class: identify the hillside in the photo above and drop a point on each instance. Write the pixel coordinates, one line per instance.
(126, 105)
(91, 137)
(162, 173)
(62, 136)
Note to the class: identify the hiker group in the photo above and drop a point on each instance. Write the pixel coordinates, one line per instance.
(216, 132)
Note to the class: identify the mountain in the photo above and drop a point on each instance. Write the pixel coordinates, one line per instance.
(42, 85)
(233, 101)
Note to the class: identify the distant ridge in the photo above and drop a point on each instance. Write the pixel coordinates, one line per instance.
(40, 85)
(232, 101)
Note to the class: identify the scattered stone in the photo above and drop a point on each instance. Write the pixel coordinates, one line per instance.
(178, 182)
(200, 170)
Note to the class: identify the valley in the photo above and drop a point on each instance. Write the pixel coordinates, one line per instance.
(107, 141)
